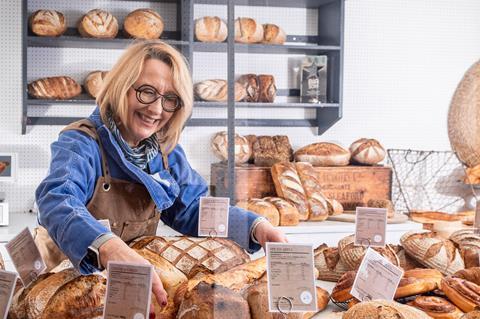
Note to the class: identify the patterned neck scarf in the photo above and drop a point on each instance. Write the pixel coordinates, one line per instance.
(140, 155)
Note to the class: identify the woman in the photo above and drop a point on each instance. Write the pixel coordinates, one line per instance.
(124, 164)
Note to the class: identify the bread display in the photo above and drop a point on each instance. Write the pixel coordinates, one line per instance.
(143, 24)
(288, 213)
(382, 203)
(98, 23)
(220, 147)
(367, 151)
(432, 251)
(263, 208)
(94, 81)
(273, 34)
(382, 309)
(193, 255)
(217, 91)
(288, 186)
(210, 29)
(213, 301)
(267, 88)
(268, 150)
(58, 87)
(436, 307)
(319, 206)
(251, 86)
(47, 23)
(353, 255)
(464, 294)
(329, 264)
(323, 154)
(247, 30)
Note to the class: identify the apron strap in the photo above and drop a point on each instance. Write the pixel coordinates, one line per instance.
(87, 127)
(164, 159)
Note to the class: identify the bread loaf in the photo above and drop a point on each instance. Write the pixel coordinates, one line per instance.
(367, 151)
(263, 208)
(98, 23)
(382, 309)
(220, 147)
(193, 255)
(268, 150)
(288, 213)
(143, 24)
(319, 207)
(273, 34)
(58, 87)
(250, 84)
(464, 294)
(468, 244)
(210, 29)
(48, 23)
(252, 139)
(432, 251)
(329, 264)
(406, 262)
(436, 307)
(288, 186)
(217, 90)
(267, 88)
(323, 154)
(94, 81)
(213, 301)
(18, 309)
(382, 203)
(418, 281)
(341, 291)
(247, 30)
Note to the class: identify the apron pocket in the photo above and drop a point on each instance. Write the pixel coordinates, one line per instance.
(134, 229)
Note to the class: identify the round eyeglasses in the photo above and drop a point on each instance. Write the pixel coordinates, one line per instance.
(147, 94)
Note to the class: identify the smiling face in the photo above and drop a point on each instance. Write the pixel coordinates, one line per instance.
(144, 120)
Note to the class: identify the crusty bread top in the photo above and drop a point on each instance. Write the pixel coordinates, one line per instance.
(322, 149)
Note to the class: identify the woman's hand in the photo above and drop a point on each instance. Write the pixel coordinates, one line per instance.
(116, 250)
(265, 232)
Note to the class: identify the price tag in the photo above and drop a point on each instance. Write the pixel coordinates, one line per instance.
(7, 286)
(26, 257)
(106, 223)
(370, 226)
(291, 281)
(213, 217)
(476, 222)
(377, 278)
(129, 289)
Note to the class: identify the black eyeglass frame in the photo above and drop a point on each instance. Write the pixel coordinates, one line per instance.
(143, 87)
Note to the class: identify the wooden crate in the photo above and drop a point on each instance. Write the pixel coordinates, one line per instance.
(351, 185)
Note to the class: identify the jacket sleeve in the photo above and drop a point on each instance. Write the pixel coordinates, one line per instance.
(183, 214)
(63, 194)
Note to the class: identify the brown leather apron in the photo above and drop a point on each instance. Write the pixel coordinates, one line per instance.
(128, 206)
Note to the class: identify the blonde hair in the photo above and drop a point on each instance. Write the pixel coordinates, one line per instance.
(113, 95)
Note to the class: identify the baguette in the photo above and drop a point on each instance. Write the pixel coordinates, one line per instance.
(319, 206)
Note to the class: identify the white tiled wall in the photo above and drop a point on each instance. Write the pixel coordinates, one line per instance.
(403, 60)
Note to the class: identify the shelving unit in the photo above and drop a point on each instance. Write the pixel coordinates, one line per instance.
(329, 41)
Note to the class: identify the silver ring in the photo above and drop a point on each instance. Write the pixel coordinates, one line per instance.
(214, 232)
(368, 242)
(289, 303)
(106, 187)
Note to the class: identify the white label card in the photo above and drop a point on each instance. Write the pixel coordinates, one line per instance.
(291, 280)
(377, 278)
(129, 289)
(213, 217)
(476, 222)
(106, 223)
(26, 257)
(370, 226)
(7, 286)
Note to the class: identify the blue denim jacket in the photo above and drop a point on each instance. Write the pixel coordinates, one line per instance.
(74, 169)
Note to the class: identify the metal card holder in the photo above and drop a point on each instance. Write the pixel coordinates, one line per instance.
(290, 306)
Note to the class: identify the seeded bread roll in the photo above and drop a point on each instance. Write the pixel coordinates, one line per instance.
(48, 23)
(58, 87)
(143, 24)
(98, 23)
(247, 30)
(210, 29)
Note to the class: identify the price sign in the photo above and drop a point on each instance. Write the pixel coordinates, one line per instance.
(213, 217)
(370, 226)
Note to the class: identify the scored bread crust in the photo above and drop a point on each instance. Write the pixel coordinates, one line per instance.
(98, 23)
(288, 213)
(210, 29)
(143, 24)
(323, 154)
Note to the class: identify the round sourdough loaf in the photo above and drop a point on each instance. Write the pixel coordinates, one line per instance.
(143, 24)
(48, 23)
(273, 34)
(382, 309)
(210, 29)
(94, 82)
(247, 30)
(323, 154)
(98, 23)
(367, 151)
(219, 145)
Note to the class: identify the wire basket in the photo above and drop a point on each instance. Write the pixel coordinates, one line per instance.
(428, 180)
